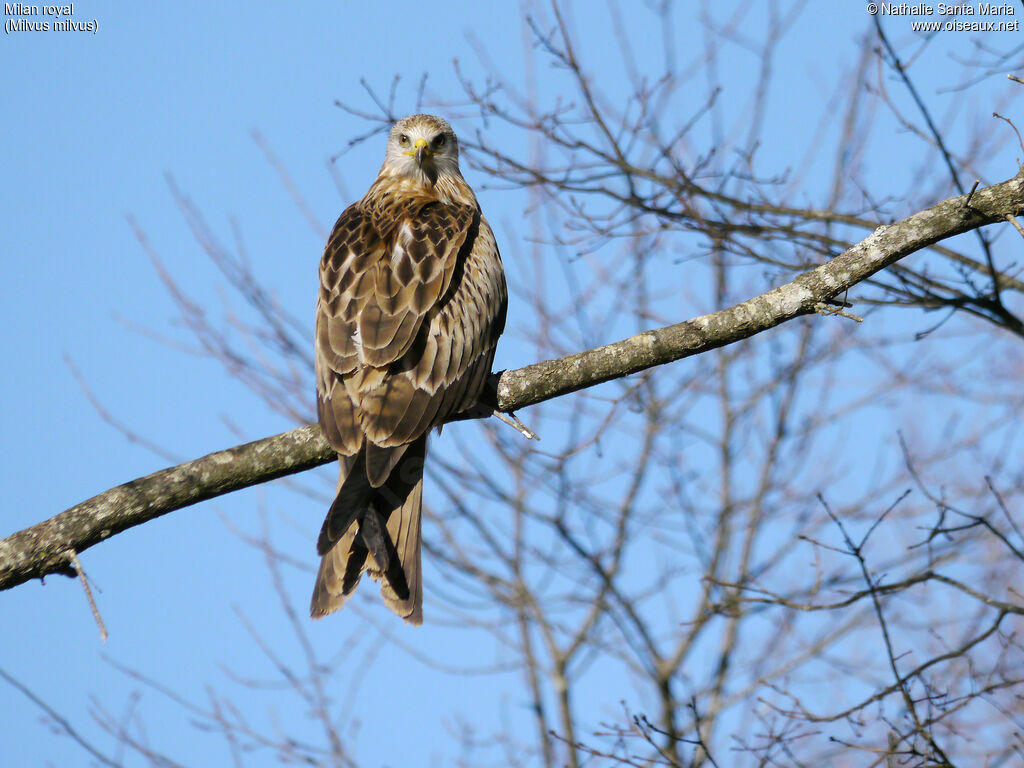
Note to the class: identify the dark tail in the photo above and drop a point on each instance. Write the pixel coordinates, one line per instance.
(375, 529)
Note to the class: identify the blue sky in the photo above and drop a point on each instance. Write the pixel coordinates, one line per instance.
(93, 127)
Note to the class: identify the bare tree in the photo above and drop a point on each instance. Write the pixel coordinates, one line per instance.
(800, 550)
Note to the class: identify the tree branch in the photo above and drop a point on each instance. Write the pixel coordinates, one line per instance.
(44, 548)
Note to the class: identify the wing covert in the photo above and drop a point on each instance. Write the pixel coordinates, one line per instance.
(399, 318)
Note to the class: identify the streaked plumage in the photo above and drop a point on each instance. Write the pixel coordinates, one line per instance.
(412, 301)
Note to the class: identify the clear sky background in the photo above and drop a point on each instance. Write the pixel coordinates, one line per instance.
(93, 126)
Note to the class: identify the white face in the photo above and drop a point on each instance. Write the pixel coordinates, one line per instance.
(422, 147)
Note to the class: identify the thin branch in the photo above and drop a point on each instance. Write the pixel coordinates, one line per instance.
(60, 721)
(42, 549)
(73, 557)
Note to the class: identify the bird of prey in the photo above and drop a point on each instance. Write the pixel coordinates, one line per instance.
(412, 301)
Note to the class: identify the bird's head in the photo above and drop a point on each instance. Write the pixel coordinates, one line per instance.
(422, 147)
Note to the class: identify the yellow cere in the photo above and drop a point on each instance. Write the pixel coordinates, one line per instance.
(420, 142)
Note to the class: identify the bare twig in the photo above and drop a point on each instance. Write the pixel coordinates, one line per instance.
(73, 557)
(40, 550)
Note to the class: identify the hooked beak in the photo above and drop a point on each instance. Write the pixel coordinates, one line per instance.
(421, 151)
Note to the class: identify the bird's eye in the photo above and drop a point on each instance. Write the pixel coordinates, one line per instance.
(403, 140)
(439, 141)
